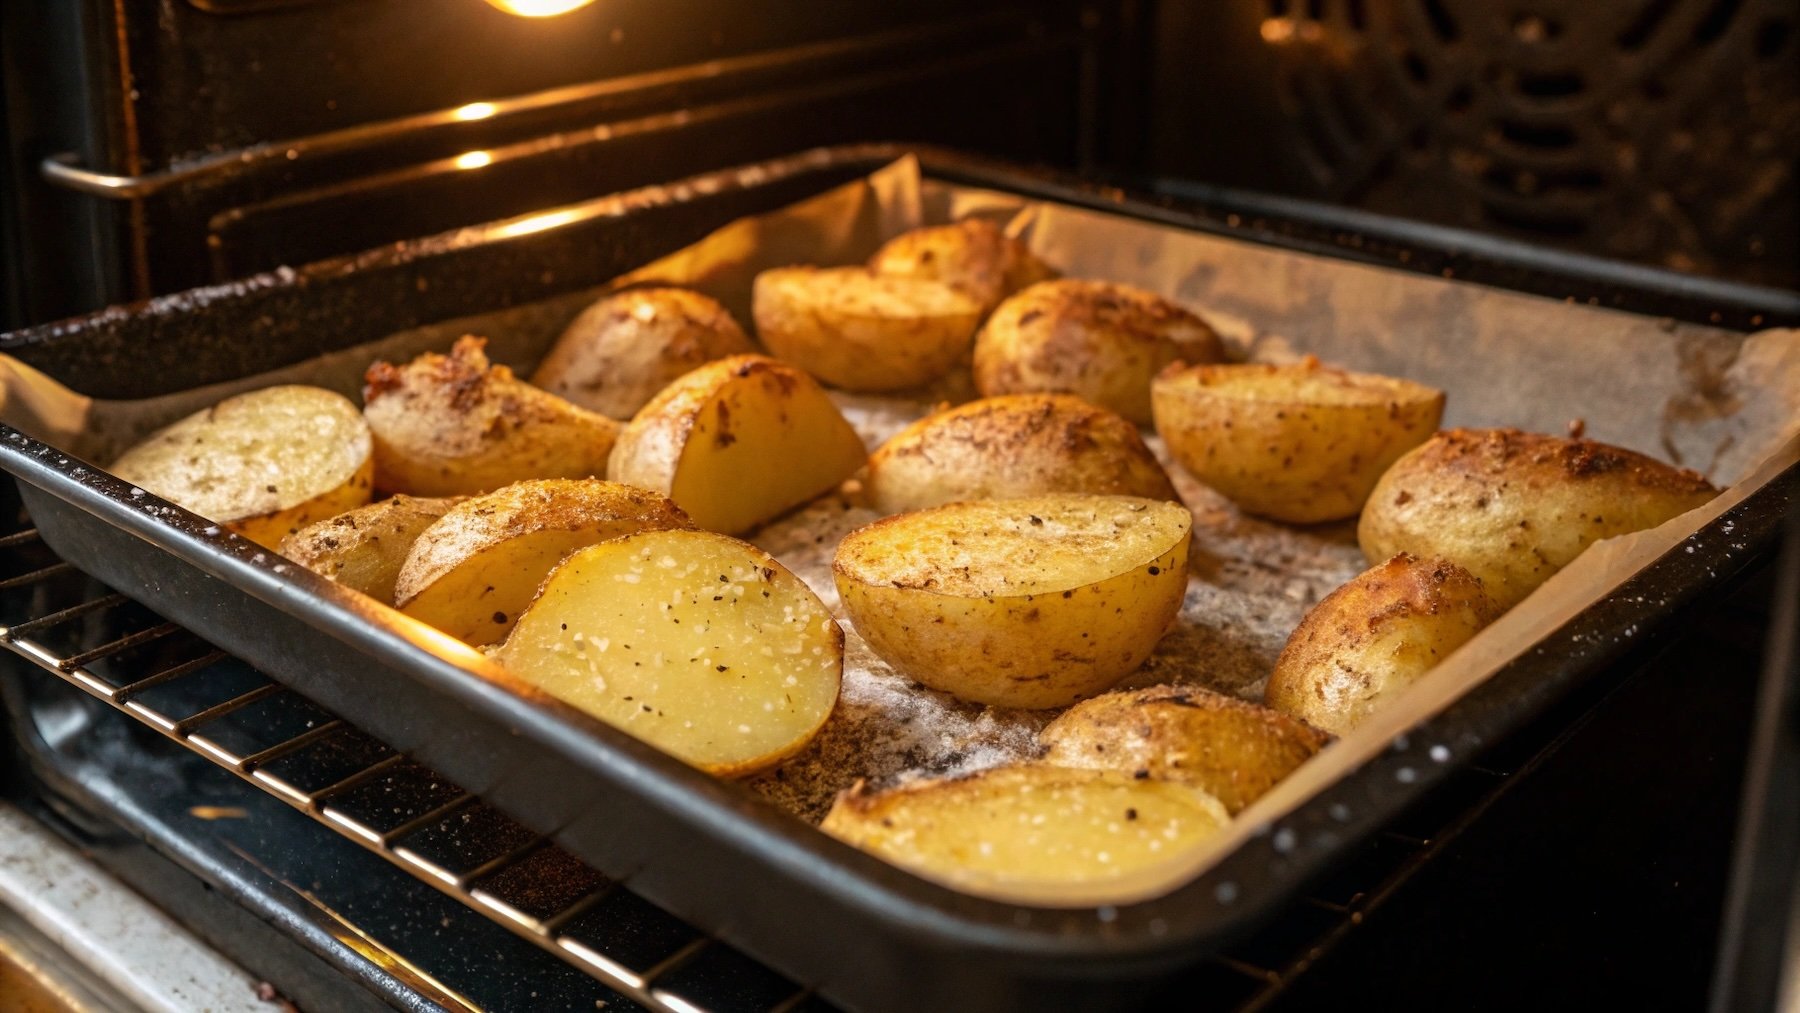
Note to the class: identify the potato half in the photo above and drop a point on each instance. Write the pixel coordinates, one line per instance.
(1101, 340)
(1017, 831)
(1513, 507)
(1374, 637)
(620, 351)
(974, 256)
(474, 570)
(1235, 750)
(859, 330)
(1301, 443)
(1018, 603)
(263, 464)
(1012, 446)
(737, 442)
(699, 644)
(365, 548)
(453, 425)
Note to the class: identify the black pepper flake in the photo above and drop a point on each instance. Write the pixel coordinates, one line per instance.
(1154, 570)
(1141, 775)
(723, 668)
(500, 617)
(1131, 814)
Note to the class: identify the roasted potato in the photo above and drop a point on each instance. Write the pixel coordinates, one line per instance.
(1513, 508)
(455, 425)
(475, 569)
(365, 548)
(699, 644)
(1022, 831)
(1301, 443)
(737, 442)
(1012, 446)
(620, 351)
(263, 464)
(974, 256)
(1375, 636)
(1018, 603)
(1234, 750)
(1098, 339)
(859, 330)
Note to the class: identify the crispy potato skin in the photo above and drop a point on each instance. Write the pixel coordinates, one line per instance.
(1513, 507)
(364, 548)
(1100, 340)
(1300, 443)
(454, 425)
(1235, 750)
(1013, 446)
(1374, 637)
(859, 330)
(616, 355)
(974, 256)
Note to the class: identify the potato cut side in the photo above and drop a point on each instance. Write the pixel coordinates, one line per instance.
(473, 571)
(859, 330)
(1030, 831)
(365, 548)
(699, 644)
(974, 256)
(618, 353)
(263, 464)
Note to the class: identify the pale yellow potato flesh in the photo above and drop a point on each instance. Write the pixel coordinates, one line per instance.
(1029, 603)
(699, 644)
(1014, 832)
(365, 548)
(1301, 443)
(859, 330)
(618, 353)
(738, 442)
(263, 464)
(474, 570)
(974, 256)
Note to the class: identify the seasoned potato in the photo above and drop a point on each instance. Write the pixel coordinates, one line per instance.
(454, 425)
(474, 570)
(737, 442)
(263, 464)
(621, 350)
(1020, 831)
(1513, 508)
(1017, 445)
(365, 548)
(859, 330)
(699, 644)
(1235, 750)
(1375, 636)
(974, 256)
(1018, 603)
(1098, 339)
(1300, 443)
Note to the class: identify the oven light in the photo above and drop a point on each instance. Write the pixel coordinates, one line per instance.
(476, 111)
(473, 159)
(539, 8)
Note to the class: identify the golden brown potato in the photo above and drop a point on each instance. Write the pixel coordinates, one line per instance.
(974, 256)
(859, 330)
(1018, 603)
(1235, 750)
(1101, 340)
(738, 442)
(365, 548)
(1301, 443)
(263, 464)
(621, 350)
(1012, 446)
(1374, 637)
(455, 425)
(1513, 508)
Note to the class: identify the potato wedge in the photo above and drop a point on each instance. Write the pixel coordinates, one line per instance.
(974, 256)
(364, 548)
(456, 425)
(1012, 446)
(474, 570)
(1018, 603)
(1098, 339)
(1513, 508)
(699, 644)
(263, 464)
(1233, 749)
(1020, 831)
(1300, 443)
(855, 329)
(1375, 636)
(620, 351)
(737, 442)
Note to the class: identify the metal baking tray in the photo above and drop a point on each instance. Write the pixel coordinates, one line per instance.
(867, 934)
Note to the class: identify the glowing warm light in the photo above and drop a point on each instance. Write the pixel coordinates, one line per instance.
(537, 223)
(473, 159)
(476, 111)
(539, 8)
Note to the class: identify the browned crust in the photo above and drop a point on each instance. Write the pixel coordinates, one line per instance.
(1497, 451)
